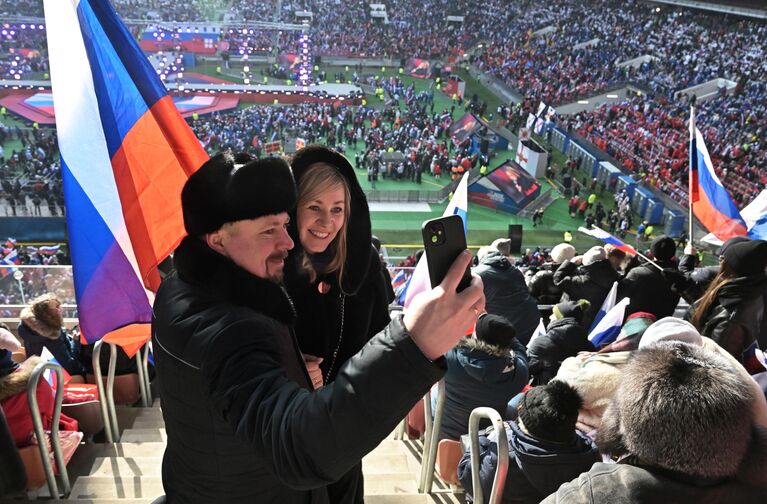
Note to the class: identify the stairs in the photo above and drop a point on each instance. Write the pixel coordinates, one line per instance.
(129, 472)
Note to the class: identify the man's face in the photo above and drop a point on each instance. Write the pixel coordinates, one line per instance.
(259, 246)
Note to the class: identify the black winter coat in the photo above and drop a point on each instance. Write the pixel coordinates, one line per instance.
(591, 282)
(542, 286)
(243, 423)
(649, 290)
(564, 338)
(735, 318)
(506, 294)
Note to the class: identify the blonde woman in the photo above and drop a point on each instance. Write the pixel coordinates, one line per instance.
(335, 279)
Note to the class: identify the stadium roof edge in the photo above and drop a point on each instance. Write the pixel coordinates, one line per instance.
(716, 7)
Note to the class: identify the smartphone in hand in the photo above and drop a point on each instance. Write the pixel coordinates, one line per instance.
(443, 240)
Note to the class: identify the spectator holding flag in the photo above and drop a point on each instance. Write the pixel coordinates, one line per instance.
(42, 327)
(591, 281)
(565, 337)
(646, 285)
(335, 277)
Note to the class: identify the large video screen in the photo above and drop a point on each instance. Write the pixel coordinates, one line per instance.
(463, 128)
(516, 183)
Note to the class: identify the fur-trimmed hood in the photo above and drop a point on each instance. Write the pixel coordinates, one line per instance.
(17, 381)
(358, 233)
(484, 361)
(38, 326)
(197, 264)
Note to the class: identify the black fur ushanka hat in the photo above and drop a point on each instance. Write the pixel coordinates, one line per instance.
(224, 190)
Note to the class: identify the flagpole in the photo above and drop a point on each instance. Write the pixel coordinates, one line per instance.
(693, 164)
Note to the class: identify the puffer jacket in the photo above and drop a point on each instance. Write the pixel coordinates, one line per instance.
(479, 374)
(242, 420)
(564, 338)
(506, 294)
(591, 283)
(536, 467)
(736, 317)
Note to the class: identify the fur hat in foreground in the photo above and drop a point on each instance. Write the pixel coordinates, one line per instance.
(680, 407)
(227, 189)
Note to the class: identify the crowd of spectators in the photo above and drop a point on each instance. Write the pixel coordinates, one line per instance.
(30, 178)
(650, 139)
(578, 56)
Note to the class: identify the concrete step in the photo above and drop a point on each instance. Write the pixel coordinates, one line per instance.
(150, 487)
(127, 467)
(140, 423)
(390, 484)
(390, 463)
(109, 501)
(109, 487)
(144, 436)
(436, 498)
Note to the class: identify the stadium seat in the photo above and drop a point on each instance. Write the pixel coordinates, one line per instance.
(449, 453)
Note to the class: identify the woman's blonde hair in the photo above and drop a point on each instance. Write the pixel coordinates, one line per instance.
(317, 179)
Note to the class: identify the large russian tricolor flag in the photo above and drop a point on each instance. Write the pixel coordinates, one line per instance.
(709, 199)
(125, 155)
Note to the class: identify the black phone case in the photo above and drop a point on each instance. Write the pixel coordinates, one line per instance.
(441, 257)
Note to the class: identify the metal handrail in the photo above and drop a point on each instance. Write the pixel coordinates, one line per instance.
(147, 381)
(106, 398)
(431, 439)
(503, 454)
(37, 422)
(141, 381)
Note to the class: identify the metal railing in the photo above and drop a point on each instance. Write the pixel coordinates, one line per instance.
(106, 398)
(431, 437)
(37, 422)
(503, 454)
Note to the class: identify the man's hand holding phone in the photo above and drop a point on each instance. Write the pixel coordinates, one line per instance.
(437, 319)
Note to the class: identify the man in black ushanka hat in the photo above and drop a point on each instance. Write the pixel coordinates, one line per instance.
(244, 423)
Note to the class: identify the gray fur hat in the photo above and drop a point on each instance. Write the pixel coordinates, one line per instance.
(680, 407)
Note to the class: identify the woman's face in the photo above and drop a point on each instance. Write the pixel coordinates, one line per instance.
(320, 219)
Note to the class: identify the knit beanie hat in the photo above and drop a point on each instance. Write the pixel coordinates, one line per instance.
(594, 254)
(549, 412)
(747, 257)
(663, 248)
(562, 253)
(574, 309)
(502, 245)
(732, 241)
(671, 329)
(495, 330)
(682, 408)
(223, 190)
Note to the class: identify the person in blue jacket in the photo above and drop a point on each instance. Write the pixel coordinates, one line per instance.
(545, 449)
(486, 369)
